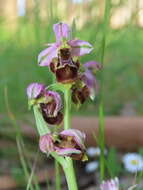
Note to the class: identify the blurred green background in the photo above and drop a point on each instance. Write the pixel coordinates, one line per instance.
(26, 26)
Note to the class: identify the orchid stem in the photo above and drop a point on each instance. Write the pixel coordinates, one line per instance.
(67, 97)
(57, 172)
(69, 169)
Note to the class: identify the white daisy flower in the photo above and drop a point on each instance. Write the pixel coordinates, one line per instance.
(112, 184)
(133, 162)
(91, 166)
(94, 151)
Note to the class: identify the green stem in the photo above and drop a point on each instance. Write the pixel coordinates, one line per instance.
(57, 175)
(101, 104)
(67, 97)
(68, 168)
(70, 175)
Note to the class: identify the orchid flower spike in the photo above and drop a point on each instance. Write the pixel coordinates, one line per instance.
(67, 143)
(59, 55)
(49, 102)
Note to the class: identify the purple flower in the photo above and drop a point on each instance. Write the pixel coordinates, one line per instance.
(46, 143)
(92, 65)
(49, 102)
(112, 184)
(67, 143)
(77, 47)
(86, 85)
(79, 94)
(89, 79)
(91, 83)
(34, 90)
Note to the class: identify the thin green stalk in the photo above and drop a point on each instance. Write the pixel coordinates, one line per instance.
(70, 175)
(67, 97)
(68, 168)
(57, 176)
(101, 104)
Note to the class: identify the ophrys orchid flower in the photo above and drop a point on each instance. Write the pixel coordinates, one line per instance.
(49, 103)
(67, 143)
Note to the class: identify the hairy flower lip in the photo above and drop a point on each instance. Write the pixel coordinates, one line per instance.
(79, 95)
(67, 74)
(50, 108)
(57, 120)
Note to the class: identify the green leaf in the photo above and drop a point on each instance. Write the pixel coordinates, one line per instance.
(112, 164)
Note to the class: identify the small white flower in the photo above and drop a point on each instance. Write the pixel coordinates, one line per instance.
(91, 166)
(133, 162)
(112, 184)
(92, 151)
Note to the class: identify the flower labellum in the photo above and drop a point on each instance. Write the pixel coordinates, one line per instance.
(67, 143)
(51, 107)
(66, 70)
(79, 95)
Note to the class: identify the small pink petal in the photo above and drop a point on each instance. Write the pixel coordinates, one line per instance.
(34, 90)
(78, 136)
(61, 31)
(46, 56)
(79, 47)
(46, 143)
(92, 65)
